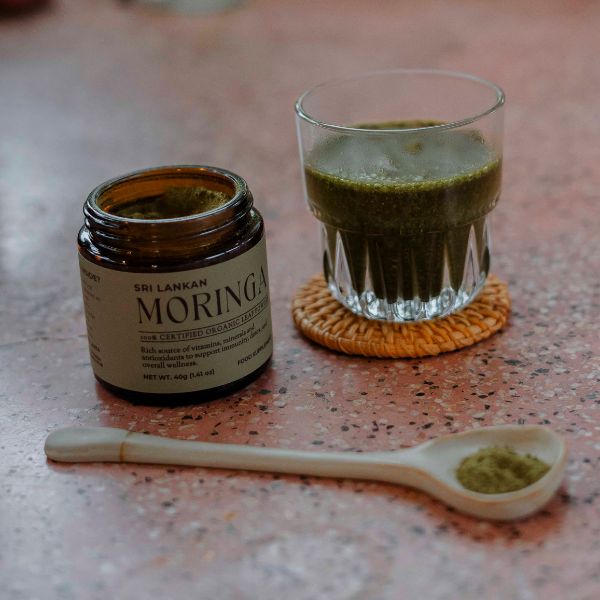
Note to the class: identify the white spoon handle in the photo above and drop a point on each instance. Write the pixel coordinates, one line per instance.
(92, 444)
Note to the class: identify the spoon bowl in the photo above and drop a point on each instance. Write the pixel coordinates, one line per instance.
(440, 458)
(430, 466)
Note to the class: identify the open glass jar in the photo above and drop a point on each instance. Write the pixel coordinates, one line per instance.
(175, 284)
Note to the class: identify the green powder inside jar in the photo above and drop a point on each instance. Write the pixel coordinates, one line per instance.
(175, 203)
(497, 470)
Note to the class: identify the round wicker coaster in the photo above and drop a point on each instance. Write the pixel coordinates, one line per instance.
(320, 317)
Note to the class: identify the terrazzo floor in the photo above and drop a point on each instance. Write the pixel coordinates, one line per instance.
(94, 89)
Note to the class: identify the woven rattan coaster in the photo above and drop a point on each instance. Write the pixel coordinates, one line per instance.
(320, 317)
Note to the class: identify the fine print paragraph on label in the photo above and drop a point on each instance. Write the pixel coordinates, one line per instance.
(186, 362)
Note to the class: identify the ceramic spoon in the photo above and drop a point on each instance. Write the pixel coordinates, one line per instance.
(429, 466)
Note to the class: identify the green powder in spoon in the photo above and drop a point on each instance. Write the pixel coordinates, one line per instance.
(497, 470)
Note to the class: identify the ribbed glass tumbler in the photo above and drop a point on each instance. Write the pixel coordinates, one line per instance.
(402, 169)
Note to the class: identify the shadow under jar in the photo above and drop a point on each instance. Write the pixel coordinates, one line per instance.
(175, 284)
(402, 169)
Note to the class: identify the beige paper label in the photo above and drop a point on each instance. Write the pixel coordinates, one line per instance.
(178, 332)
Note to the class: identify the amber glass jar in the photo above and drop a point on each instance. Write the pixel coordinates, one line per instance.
(176, 301)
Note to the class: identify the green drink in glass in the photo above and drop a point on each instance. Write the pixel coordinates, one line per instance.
(403, 204)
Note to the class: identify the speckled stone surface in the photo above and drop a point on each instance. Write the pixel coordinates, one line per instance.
(90, 90)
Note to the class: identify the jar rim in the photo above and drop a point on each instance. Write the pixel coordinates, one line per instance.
(214, 216)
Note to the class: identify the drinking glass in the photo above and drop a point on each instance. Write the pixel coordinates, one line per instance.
(402, 169)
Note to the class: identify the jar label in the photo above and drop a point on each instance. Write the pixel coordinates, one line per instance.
(182, 331)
